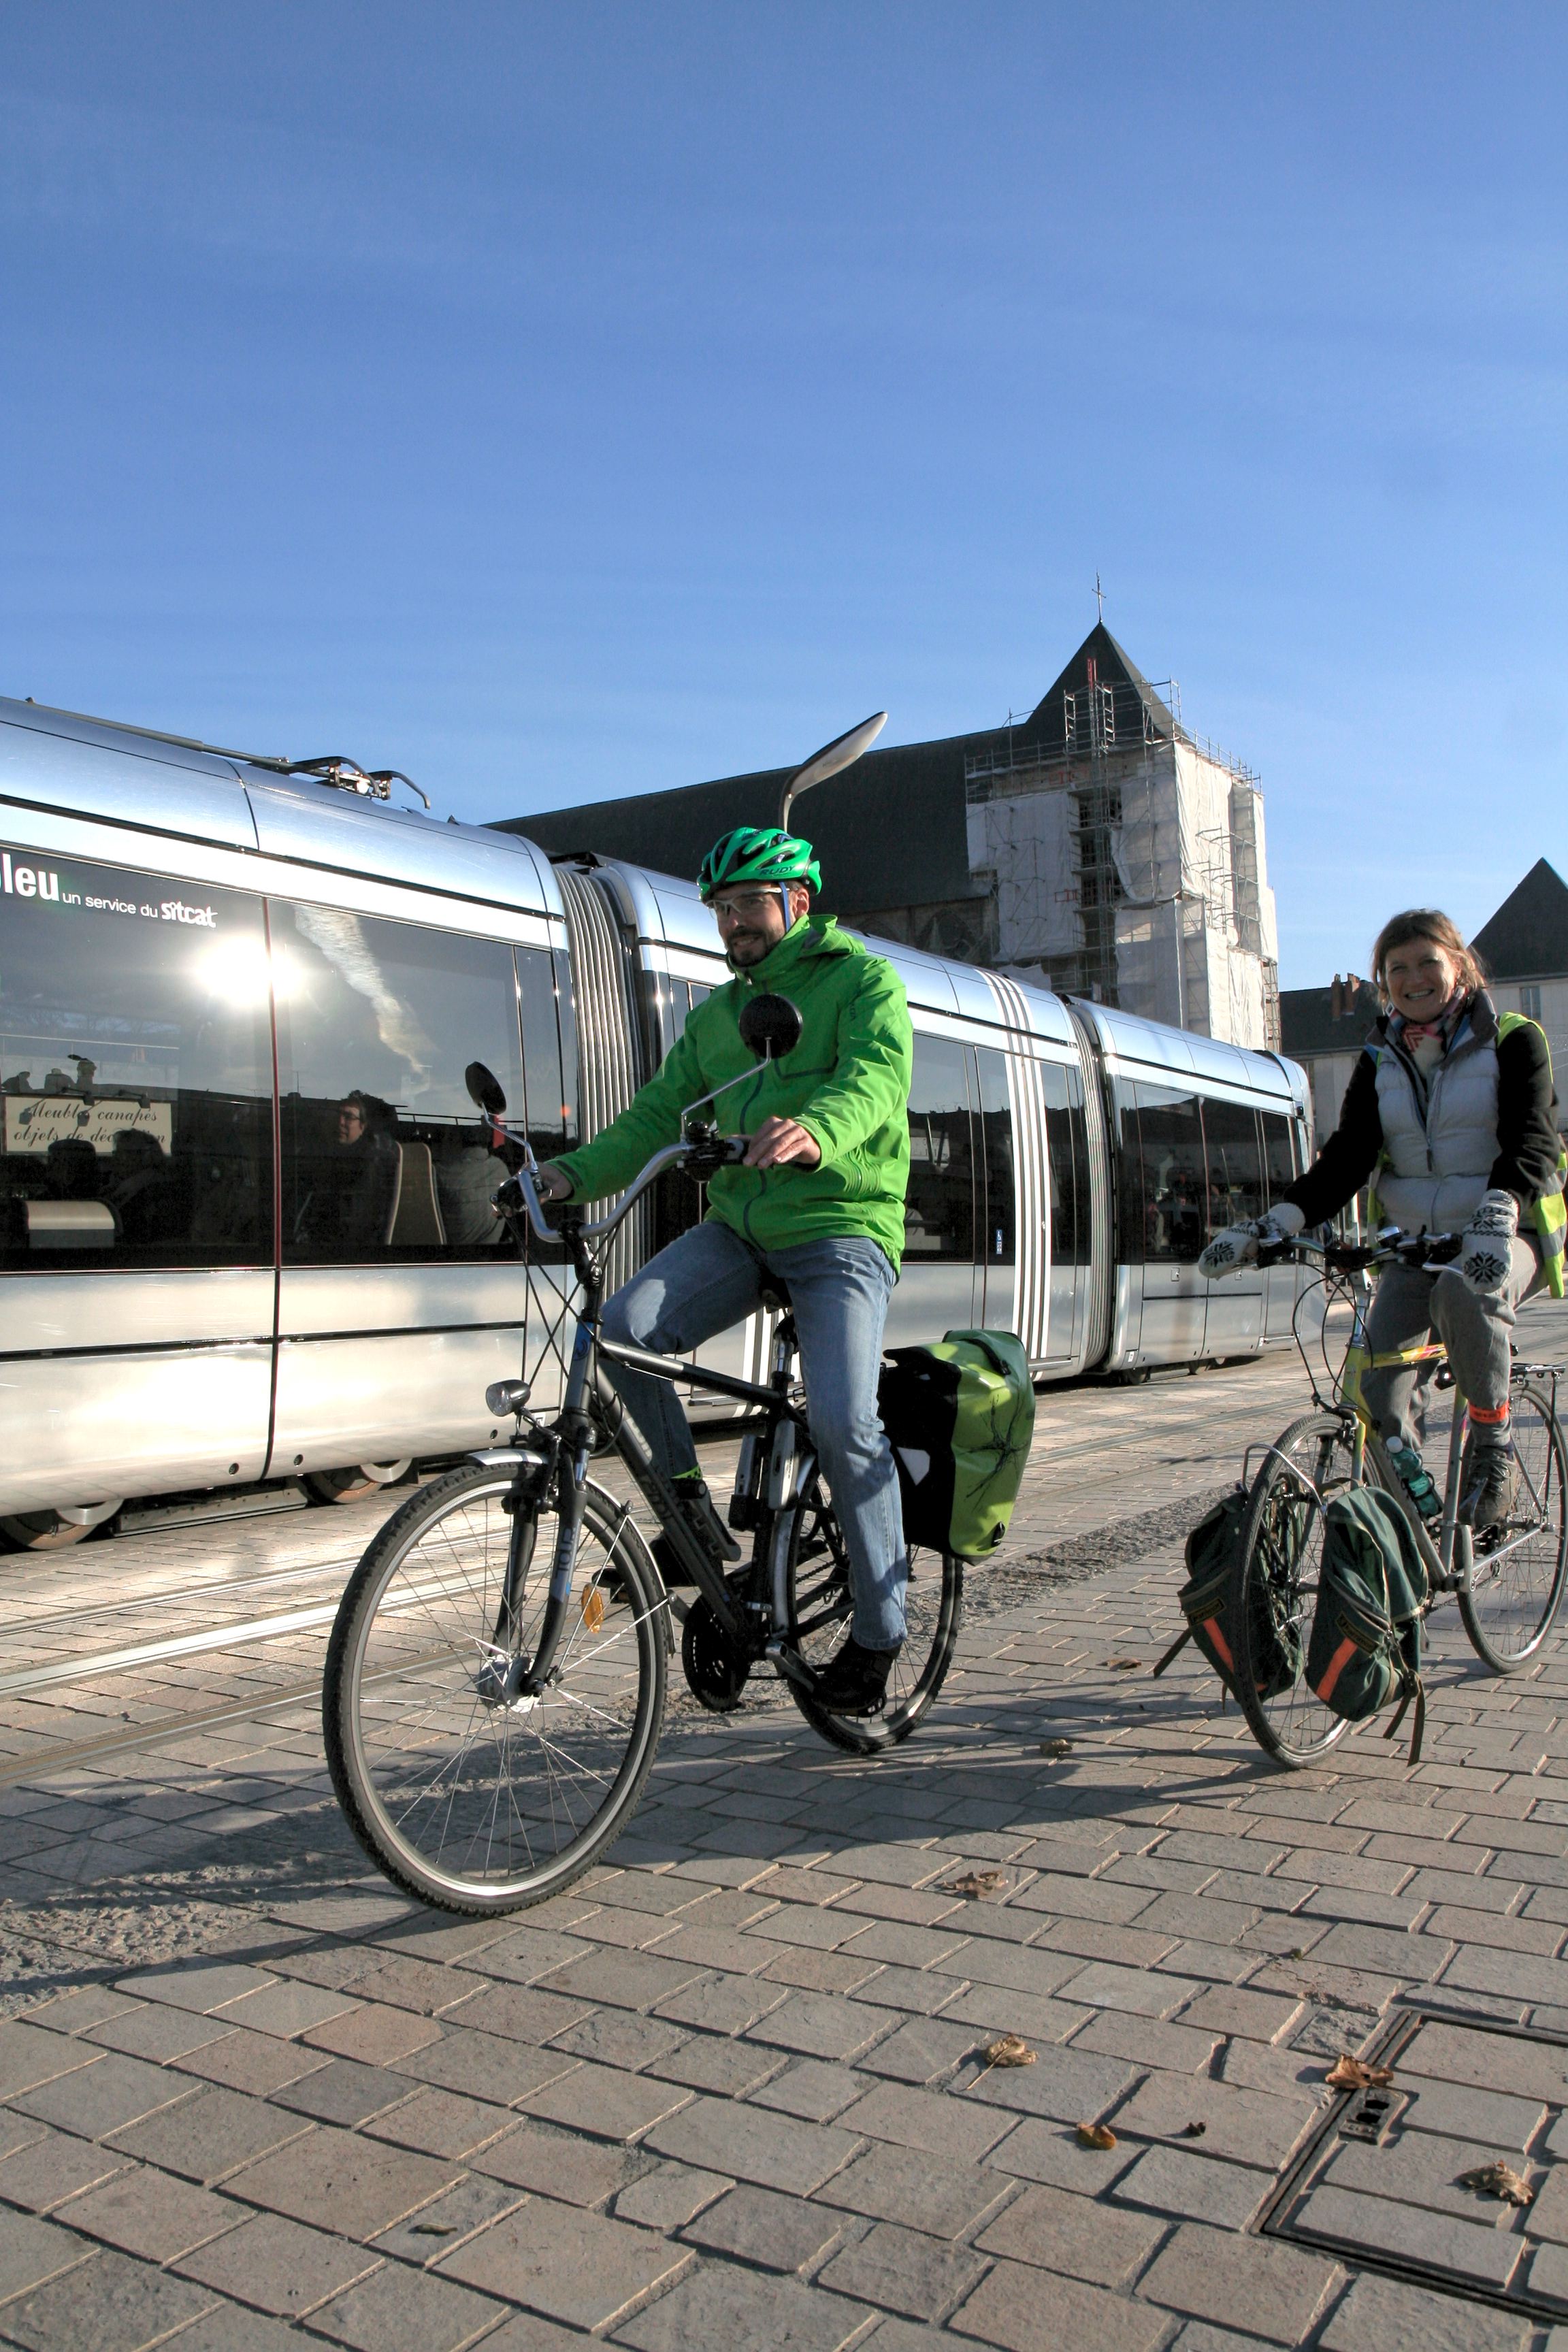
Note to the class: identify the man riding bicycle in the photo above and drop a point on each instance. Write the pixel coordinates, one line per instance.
(817, 1204)
(1450, 1113)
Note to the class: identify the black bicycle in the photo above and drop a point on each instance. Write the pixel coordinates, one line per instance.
(496, 1678)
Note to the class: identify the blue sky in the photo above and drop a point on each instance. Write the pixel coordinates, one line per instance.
(566, 401)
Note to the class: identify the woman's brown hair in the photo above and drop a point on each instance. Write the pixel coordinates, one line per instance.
(1427, 923)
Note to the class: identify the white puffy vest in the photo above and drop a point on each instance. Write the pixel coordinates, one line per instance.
(1436, 1169)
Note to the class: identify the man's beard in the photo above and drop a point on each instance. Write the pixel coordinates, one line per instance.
(749, 947)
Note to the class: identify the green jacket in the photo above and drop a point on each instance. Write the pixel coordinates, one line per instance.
(848, 1082)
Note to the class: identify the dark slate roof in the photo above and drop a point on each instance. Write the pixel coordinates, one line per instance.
(1527, 939)
(891, 830)
(1308, 1025)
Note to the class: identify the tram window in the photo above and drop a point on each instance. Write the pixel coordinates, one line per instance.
(135, 1070)
(1163, 1179)
(384, 1155)
(678, 1203)
(939, 1212)
(1279, 1157)
(997, 1145)
(1234, 1168)
(551, 1097)
(1067, 1147)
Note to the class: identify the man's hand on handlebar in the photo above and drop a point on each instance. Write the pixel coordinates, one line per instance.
(782, 1143)
(551, 1182)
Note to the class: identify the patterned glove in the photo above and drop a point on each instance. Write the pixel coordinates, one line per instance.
(1485, 1256)
(1238, 1245)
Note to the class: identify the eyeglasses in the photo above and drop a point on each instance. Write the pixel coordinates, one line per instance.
(744, 907)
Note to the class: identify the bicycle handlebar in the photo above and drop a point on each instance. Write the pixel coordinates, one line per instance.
(1430, 1250)
(702, 1154)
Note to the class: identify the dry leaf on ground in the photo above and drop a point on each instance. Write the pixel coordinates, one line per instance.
(1009, 2050)
(1348, 2073)
(976, 1883)
(1096, 2136)
(1498, 2180)
(1123, 1665)
(1193, 2131)
(1056, 1747)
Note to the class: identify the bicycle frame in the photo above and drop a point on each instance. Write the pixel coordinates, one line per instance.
(567, 1445)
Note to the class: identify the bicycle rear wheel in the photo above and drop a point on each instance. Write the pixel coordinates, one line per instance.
(1276, 1589)
(1517, 1575)
(819, 1612)
(465, 1800)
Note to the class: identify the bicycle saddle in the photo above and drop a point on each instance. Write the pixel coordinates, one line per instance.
(774, 1294)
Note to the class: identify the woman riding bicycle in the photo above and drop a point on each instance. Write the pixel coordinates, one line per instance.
(1450, 1112)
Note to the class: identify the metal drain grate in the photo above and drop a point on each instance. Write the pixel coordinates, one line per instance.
(1379, 2182)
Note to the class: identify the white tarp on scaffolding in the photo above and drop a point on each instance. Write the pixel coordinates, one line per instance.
(1025, 839)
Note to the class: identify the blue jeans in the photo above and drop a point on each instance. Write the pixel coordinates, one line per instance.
(839, 1288)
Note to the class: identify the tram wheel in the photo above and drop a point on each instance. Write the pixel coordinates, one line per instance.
(56, 1530)
(353, 1485)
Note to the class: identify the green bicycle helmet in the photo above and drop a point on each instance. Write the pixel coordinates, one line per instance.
(758, 853)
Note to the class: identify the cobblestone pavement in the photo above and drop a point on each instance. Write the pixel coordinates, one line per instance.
(731, 2090)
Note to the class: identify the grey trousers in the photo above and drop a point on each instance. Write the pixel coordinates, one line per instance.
(1473, 1329)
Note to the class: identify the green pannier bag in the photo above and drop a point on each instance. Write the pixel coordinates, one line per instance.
(1208, 1601)
(1365, 1648)
(960, 1418)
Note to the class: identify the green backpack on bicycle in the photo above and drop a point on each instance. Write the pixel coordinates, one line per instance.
(960, 1418)
(1208, 1601)
(1365, 1648)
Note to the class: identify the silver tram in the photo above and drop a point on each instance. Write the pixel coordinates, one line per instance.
(244, 1196)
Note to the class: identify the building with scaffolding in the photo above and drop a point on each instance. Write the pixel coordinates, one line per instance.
(1096, 845)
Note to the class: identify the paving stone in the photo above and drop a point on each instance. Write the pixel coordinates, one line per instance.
(936, 2121)
(372, 2032)
(201, 1985)
(1399, 2317)
(605, 2102)
(441, 2123)
(669, 2196)
(620, 2037)
(211, 2134)
(568, 2265)
(1491, 2062)
(1036, 2150)
(419, 1985)
(1029, 2310)
(1017, 1968)
(1103, 1985)
(1548, 2217)
(286, 2009)
(95, 2100)
(1546, 2274)
(1070, 2085)
(527, 2332)
(777, 2151)
(624, 1979)
(744, 2311)
(398, 2310)
(904, 2270)
(1194, 2187)
(1414, 2233)
(811, 2087)
(252, 2063)
(923, 2051)
(152, 2214)
(519, 2013)
(278, 2266)
(156, 2033)
(709, 2062)
(32, 2252)
(228, 2328)
(484, 2066)
(987, 2010)
(435, 2228)
(343, 2091)
(75, 2011)
(1255, 2284)
(1257, 2016)
(758, 2225)
(110, 2303)
(819, 2026)
(1060, 2231)
(1513, 1975)
(51, 2165)
(559, 2163)
(816, 1972)
(365, 2187)
(931, 2193)
(725, 2004)
(1249, 2125)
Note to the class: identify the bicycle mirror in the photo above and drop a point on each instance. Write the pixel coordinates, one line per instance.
(769, 1025)
(484, 1089)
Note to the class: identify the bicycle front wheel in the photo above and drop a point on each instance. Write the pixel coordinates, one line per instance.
(1276, 1589)
(464, 1799)
(1518, 1570)
(820, 1607)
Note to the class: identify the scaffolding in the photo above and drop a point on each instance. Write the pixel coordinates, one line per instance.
(1126, 861)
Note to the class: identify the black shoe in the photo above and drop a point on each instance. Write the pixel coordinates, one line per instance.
(856, 1680)
(1490, 1497)
(697, 1508)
